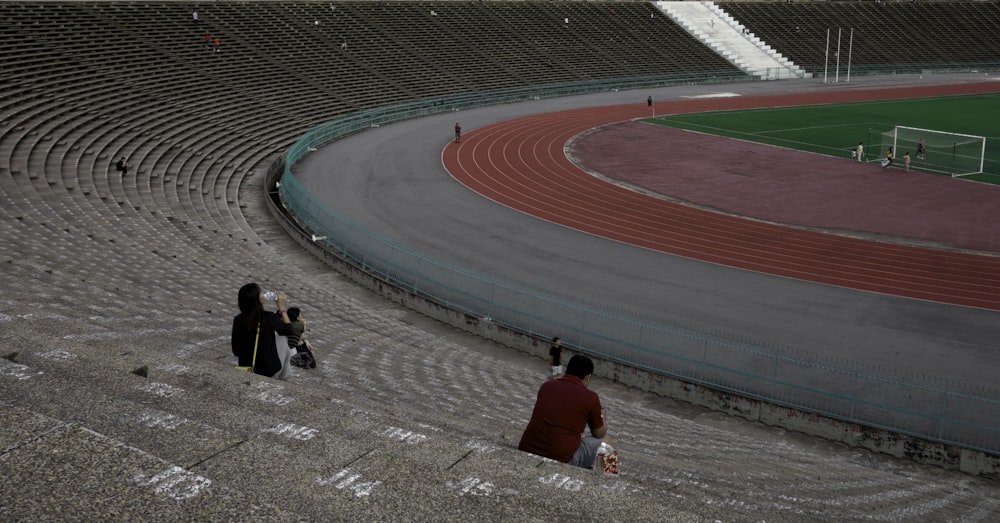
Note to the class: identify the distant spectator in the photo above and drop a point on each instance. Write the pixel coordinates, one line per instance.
(122, 167)
(194, 16)
(563, 409)
(555, 358)
(458, 133)
(257, 330)
(861, 151)
(303, 356)
(298, 327)
(208, 41)
(343, 43)
(216, 42)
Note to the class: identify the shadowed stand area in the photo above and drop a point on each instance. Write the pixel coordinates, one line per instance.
(117, 393)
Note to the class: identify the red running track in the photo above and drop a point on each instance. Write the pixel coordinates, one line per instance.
(521, 164)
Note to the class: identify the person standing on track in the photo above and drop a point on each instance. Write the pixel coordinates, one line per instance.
(906, 162)
(555, 359)
(458, 133)
(861, 151)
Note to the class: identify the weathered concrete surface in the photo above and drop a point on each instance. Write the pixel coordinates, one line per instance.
(118, 400)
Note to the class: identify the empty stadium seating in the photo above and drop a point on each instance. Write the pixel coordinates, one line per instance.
(888, 36)
(117, 392)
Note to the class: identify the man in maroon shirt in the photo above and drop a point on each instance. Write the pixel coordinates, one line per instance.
(563, 409)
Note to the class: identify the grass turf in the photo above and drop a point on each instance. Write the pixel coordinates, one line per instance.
(834, 130)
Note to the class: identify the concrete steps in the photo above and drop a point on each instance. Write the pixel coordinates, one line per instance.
(426, 418)
(726, 36)
(104, 275)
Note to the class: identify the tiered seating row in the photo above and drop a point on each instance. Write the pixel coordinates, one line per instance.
(928, 34)
(105, 274)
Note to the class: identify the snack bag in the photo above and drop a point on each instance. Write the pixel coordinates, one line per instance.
(607, 459)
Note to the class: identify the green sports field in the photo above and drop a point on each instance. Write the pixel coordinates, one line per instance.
(834, 130)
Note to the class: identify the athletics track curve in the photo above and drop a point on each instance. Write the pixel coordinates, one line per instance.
(521, 163)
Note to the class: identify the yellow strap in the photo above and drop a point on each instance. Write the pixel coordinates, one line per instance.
(255, 340)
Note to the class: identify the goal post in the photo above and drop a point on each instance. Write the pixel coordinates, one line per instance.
(954, 154)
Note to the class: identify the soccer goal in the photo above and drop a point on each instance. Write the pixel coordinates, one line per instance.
(954, 154)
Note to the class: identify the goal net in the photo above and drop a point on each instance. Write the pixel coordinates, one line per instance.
(954, 154)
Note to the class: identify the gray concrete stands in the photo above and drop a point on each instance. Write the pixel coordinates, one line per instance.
(118, 397)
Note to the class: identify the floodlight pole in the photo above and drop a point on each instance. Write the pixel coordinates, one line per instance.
(838, 57)
(826, 55)
(850, 49)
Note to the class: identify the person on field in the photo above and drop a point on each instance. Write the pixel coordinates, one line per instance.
(887, 161)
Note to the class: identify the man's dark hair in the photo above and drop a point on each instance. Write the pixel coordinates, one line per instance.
(293, 313)
(580, 366)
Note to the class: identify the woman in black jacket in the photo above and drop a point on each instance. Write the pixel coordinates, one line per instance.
(255, 325)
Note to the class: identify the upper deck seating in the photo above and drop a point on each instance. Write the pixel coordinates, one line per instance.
(906, 35)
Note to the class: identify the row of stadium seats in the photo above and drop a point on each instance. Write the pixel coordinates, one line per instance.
(105, 276)
(927, 34)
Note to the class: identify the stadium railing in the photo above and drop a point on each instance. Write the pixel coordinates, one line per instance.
(895, 69)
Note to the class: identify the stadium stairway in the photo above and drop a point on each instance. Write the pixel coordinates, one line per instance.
(725, 35)
(118, 399)
(887, 36)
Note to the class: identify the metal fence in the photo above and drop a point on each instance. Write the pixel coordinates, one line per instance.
(842, 73)
(921, 406)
